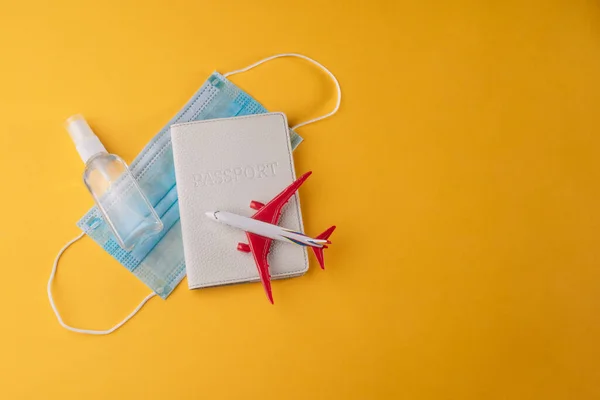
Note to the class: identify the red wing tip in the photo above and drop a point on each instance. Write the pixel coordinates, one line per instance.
(269, 293)
(305, 175)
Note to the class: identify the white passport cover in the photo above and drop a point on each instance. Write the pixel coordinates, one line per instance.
(223, 164)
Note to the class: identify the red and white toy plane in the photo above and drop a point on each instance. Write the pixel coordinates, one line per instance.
(262, 229)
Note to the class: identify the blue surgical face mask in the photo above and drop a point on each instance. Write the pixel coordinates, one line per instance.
(159, 261)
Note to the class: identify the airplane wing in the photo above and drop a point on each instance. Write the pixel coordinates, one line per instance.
(260, 246)
(271, 212)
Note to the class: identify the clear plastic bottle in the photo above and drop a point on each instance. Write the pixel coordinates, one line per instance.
(117, 194)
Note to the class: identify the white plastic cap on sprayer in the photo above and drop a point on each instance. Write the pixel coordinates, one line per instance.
(86, 142)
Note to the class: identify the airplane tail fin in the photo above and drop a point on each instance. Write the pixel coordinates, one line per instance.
(319, 250)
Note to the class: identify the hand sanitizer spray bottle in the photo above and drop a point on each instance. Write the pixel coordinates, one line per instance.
(117, 194)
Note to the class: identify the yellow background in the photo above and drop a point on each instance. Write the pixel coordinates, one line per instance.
(462, 171)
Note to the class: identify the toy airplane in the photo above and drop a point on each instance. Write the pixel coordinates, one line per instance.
(262, 228)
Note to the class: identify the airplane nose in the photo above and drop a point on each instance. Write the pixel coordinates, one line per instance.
(210, 214)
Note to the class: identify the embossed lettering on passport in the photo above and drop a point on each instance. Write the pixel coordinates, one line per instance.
(235, 174)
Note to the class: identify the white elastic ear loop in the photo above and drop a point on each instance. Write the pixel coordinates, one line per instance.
(337, 84)
(88, 331)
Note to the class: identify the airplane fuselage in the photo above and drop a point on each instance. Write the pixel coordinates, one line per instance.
(264, 229)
